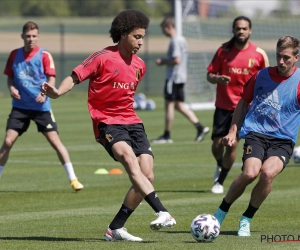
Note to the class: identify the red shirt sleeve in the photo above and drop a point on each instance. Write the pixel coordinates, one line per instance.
(215, 65)
(90, 66)
(48, 64)
(8, 68)
(249, 88)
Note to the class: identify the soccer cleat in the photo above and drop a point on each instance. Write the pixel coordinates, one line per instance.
(120, 234)
(220, 215)
(76, 185)
(162, 139)
(164, 220)
(244, 226)
(217, 173)
(201, 134)
(217, 188)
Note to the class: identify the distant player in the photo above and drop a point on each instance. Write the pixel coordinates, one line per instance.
(114, 74)
(233, 64)
(176, 77)
(268, 117)
(26, 69)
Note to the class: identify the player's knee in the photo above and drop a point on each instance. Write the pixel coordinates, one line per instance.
(8, 143)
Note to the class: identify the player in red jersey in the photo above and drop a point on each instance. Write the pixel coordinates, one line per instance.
(114, 74)
(233, 64)
(26, 69)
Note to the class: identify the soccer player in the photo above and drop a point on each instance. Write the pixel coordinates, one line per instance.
(176, 76)
(114, 74)
(232, 65)
(269, 126)
(26, 69)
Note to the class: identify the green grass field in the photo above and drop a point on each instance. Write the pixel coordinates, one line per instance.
(39, 210)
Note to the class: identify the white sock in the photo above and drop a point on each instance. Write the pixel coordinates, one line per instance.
(1, 169)
(70, 171)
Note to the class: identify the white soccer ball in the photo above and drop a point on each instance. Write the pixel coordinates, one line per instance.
(150, 105)
(141, 105)
(205, 228)
(140, 97)
(296, 155)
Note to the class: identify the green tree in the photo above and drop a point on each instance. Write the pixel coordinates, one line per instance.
(44, 8)
(91, 8)
(152, 8)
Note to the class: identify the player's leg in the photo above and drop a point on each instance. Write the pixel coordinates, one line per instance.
(46, 124)
(133, 198)
(188, 113)
(169, 102)
(221, 125)
(250, 171)
(277, 157)
(10, 138)
(18, 122)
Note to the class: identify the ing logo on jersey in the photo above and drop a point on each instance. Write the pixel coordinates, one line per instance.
(250, 62)
(138, 74)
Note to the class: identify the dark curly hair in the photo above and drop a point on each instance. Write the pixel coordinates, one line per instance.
(126, 21)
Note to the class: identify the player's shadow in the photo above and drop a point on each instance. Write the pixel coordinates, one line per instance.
(45, 238)
(182, 191)
(55, 239)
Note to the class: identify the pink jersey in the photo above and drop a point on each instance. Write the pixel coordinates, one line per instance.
(240, 65)
(48, 63)
(113, 80)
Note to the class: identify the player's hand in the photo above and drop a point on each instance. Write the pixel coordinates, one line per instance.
(40, 98)
(49, 90)
(159, 61)
(224, 80)
(229, 139)
(14, 93)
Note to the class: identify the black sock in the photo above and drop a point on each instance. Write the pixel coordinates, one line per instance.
(250, 211)
(223, 175)
(167, 134)
(220, 162)
(121, 217)
(225, 206)
(154, 202)
(198, 126)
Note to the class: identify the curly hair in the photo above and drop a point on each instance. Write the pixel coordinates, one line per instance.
(126, 21)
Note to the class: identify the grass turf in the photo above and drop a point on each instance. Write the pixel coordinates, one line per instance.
(39, 210)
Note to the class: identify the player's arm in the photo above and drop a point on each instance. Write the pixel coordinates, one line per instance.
(12, 89)
(66, 85)
(166, 61)
(237, 120)
(215, 78)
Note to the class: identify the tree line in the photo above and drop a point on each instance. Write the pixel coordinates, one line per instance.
(82, 8)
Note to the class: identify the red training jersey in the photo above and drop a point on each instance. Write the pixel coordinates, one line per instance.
(48, 62)
(240, 65)
(249, 86)
(113, 80)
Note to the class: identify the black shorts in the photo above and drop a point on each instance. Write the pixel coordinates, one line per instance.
(262, 147)
(177, 92)
(19, 120)
(222, 123)
(134, 135)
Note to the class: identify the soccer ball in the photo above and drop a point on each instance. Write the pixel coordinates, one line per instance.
(205, 228)
(296, 155)
(150, 105)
